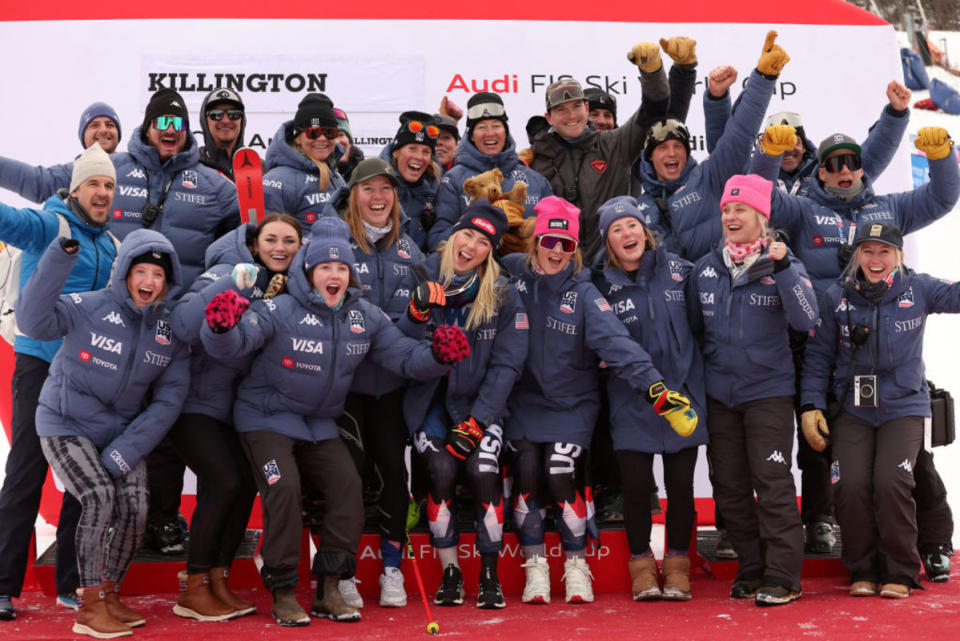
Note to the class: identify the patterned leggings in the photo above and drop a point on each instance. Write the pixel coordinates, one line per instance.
(114, 510)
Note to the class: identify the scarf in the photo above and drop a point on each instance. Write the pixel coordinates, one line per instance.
(374, 234)
(846, 194)
(738, 252)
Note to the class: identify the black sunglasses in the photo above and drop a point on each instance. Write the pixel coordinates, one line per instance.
(834, 164)
(217, 114)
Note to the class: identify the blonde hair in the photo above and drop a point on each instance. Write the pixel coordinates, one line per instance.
(324, 180)
(432, 171)
(855, 260)
(613, 261)
(576, 259)
(490, 292)
(354, 218)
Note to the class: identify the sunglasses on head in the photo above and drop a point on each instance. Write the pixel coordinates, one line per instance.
(217, 114)
(834, 164)
(557, 243)
(330, 133)
(415, 126)
(340, 113)
(162, 123)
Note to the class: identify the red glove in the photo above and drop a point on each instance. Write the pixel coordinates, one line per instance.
(464, 437)
(450, 344)
(225, 310)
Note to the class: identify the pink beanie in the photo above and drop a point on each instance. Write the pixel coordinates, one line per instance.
(556, 216)
(751, 190)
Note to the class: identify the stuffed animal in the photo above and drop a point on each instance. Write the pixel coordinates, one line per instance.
(519, 235)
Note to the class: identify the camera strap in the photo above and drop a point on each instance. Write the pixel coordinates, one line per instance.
(163, 198)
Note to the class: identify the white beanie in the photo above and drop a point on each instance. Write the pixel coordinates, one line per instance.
(94, 161)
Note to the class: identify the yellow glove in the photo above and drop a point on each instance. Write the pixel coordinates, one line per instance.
(776, 139)
(673, 406)
(682, 50)
(934, 141)
(773, 58)
(645, 55)
(814, 427)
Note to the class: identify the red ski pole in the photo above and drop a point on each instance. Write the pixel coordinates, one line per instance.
(432, 626)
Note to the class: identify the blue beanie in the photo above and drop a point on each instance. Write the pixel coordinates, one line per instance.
(616, 208)
(96, 110)
(329, 243)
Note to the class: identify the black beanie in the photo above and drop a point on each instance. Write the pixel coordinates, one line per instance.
(600, 99)
(662, 130)
(155, 258)
(315, 110)
(535, 125)
(483, 217)
(485, 106)
(165, 102)
(406, 135)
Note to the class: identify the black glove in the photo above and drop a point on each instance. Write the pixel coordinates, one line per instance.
(427, 295)
(464, 437)
(70, 245)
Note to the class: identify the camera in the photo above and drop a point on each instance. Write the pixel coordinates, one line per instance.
(865, 390)
(150, 213)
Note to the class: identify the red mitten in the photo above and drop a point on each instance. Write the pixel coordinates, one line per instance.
(450, 344)
(224, 311)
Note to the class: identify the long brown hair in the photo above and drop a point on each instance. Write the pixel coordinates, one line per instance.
(612, 260)
(355, 220)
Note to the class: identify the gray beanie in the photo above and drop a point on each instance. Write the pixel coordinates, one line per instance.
(94, 161)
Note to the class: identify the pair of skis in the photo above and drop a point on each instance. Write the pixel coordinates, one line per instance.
(248, 176)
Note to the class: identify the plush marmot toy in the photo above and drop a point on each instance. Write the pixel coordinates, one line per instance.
(519, 235)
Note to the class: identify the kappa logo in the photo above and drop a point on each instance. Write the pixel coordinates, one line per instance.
(521, 286)
(423, 443)
(568, 304)
(906, 465)
(190, 179)
(164, 333)
(777, 457)
(115, 318)
(845, 305)
(310, 319)
(905, 299)
(708, 272)
(355, 319)
(599, 166)
(136, 172)
(403, 248)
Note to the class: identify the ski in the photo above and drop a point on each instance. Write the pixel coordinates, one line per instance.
(248, 174)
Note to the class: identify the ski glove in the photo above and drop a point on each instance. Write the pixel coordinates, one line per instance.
(776, 139)
(464, 437)
(244, 275)
(773, 58)
(224, 311)
(814, 427)
(673, 406)
(682, 50)
(935, 142)
(427, 295)
(645, 55)
(450, 344)
(69, 245)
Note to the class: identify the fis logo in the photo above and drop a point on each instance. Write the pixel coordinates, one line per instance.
(355, 318)
(906, 299)
(164, 333)
(568, 303)
(190, 179)
(310, 319)
(114, 317)
(708, 272)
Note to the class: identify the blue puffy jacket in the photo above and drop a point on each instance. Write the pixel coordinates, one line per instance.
(415, 200)
(746, 349)
(819, 223)
(121, 376)
(308, 354)
(384, 276)
(451, 199)
(572, 326)
(690, 226)
(895, 342)
(32, 231)
(479, 385)
(291, 182)
(654, 310)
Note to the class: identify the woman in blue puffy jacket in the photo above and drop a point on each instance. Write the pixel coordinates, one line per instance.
(554, 406)
(115, 388)
(648, 288)
(748, 291)
(309, 343)
(867, 354)
(203, 436)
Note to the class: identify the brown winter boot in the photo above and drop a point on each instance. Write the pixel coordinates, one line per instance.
(93, 617)
(119, 609)
(676, 578)
(196, 601)
(646, 581)
(328, 602)
(220, 589)
(286, 609)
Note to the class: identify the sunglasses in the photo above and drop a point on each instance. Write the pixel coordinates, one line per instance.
(162, 123)
(340, 113)
(415, 126)
(834, 164)
(486, 110)
(330, 133)
(232, 114)
(557, 243)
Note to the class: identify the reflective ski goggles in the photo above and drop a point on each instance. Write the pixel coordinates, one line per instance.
(664, 130)
(785, 118)
(162, 123)
(415, 126)
(486, 110)
(340, 113)
(561, 244)
(834, 164)
(217, 114)
(330, 133)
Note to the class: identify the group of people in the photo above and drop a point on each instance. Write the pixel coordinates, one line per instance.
(376, 306)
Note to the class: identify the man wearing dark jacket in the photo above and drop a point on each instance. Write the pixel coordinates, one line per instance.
(223, 123)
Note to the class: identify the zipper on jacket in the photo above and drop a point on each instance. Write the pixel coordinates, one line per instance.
(128, 366)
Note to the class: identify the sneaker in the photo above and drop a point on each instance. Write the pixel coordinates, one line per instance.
(894, 591)
(820, 538)
(392, 592)
(489, 594)
(577, 576)
(68, 600)
(775, 595)
(936, 564)
(7, 613)
(349, 592)
(537, 588)
(863, 588)
(724, 547)
(745, 588)
(451, 589)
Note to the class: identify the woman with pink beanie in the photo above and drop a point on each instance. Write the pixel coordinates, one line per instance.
(749, 290)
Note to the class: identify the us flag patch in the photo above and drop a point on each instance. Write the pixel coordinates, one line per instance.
(271, 471)
(520, 321)
(602, 304)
